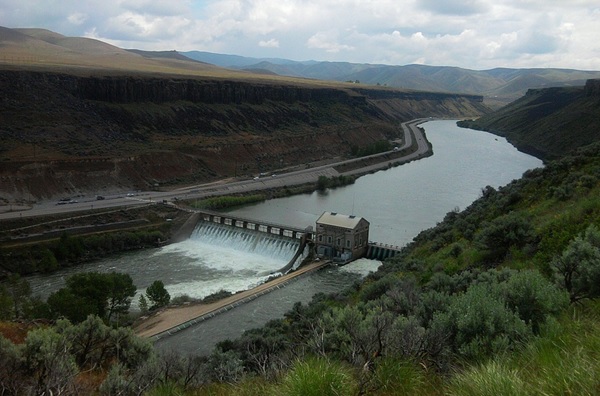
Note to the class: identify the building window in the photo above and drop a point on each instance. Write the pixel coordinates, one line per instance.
(339, 241)
(329, 239)
(320, 238)
(347, 243)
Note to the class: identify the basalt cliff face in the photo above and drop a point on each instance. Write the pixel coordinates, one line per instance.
(64, 134)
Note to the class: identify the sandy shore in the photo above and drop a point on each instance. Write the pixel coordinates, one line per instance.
(172, 318)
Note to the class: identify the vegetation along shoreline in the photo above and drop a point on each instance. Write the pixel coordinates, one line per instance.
(499, 298)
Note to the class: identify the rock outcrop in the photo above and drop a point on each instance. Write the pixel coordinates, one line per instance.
(67, 133)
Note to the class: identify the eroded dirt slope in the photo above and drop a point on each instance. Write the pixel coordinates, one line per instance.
(66, 133)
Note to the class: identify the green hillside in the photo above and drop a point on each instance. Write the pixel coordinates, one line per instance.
(548, 122)
(499, 299)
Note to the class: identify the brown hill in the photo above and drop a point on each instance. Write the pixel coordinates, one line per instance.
(82, 116)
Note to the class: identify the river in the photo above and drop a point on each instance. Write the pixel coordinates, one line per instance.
(398, 202)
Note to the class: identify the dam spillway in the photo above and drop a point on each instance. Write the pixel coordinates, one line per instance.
(243, 240)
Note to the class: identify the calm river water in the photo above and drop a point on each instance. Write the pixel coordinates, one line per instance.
(399, 203)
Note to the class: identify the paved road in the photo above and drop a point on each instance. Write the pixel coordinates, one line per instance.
(309, 175)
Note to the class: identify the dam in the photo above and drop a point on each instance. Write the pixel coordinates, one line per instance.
(341, 238)
(399, 203)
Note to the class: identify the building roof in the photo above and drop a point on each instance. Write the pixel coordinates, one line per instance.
(339, 220)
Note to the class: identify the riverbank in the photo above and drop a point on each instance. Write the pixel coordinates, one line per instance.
(171, 320)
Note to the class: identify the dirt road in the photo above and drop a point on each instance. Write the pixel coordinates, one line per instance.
(171, 320)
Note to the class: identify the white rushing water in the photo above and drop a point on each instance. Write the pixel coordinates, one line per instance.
(214, 258)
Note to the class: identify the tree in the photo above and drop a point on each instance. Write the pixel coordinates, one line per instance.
(20, 292)
(66, 304)
(91, 287)
(578, 268)
(158, 295)
(143, 304)
(322, 183)
(6, 304)
(93, 293)
(121, 290)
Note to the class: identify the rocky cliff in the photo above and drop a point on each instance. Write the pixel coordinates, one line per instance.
(64, 133)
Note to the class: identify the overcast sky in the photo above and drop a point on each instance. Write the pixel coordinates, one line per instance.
(474, 34)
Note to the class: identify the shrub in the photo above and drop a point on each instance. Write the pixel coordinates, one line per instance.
(578, 268)
(479, 324)
(318, 377)
(504, 232)
(533, 298)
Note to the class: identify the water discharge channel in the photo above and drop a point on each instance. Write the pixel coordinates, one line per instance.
(399, 203)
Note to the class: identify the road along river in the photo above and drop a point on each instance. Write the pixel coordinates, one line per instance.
(415, 146)
(398, 202)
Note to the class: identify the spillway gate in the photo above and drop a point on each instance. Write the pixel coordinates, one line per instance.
(254, 225)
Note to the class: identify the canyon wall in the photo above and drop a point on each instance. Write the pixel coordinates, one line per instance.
(64, 134)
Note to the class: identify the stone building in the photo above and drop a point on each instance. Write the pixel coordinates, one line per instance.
(341, 237)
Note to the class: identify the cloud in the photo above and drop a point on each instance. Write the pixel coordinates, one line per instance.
(327, 41)
(77, 18)
(468, 33)
(455, 7)
(271, 43)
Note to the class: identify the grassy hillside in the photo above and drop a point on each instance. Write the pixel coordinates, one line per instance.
(499, 299)
(548, 122)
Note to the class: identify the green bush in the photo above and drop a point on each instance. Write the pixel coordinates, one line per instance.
(533, 298)
(498, 236)
(578, 268)
(318, 377)
(479, 324)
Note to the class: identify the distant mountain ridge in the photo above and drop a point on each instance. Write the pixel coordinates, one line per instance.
(500, 85)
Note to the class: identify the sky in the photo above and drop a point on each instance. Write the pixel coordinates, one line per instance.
(473, 34)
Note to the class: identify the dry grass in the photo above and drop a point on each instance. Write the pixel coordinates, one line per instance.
(40, 49)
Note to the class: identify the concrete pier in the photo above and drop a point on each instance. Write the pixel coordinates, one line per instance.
(254, 225)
